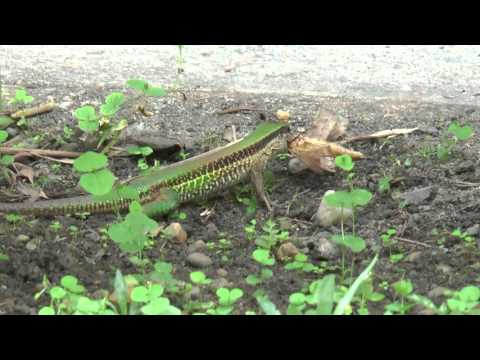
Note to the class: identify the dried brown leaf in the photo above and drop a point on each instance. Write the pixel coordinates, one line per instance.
(318, 154)
(382, 134)
(328, 126)
(24, 171)
(33, 193)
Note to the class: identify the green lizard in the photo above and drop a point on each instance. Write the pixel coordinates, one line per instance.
(166, 188)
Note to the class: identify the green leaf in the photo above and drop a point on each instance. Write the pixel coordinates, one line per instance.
(5, 122)
(344, 162)
(7, 160)
(403, 287)
(160, 306)
(460, 132)
(253, 280)
(263, 257)
(469, 294)
(135, 206)
(339, 199)
(98, 183)
(112, 104)
(347, 298)
(163, 267)
(296, 299)
(70, 283)
(267, 306)
(155, 291)
(90, 161)
(4, 257)
(46, 310)
(354, 243)
(57, 293)
(140, 150)
(130, 234)
(361, 197)
(87, 118)
(115, 99)
(87, 306)
(140, 294)
(235, 294)
(138, 84)
(155, 91)
(198, 277)
(3, 136)
(121, 292)
(323, 293)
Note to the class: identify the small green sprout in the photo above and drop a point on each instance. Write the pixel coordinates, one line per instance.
(199, 278)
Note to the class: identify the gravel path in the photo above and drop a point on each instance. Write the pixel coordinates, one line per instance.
(444, 74)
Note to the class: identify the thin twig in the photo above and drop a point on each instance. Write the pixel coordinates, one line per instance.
(412, 242)
(40, 152)
(237, 110)
(33, 111)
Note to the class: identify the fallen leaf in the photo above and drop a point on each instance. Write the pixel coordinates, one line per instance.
(33, 193)
(328, 126)
(24, 171)
(319, 154)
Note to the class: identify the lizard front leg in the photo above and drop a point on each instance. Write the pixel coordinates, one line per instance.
(256, 176)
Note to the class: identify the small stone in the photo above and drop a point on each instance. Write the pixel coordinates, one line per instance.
(23, 237)
(211, 231)
(199, 260)
(473, 230)
(176, 232)
(222, 272)
(466, 166)
(195, 293)
(287, 251)
(327, 216)
(416, 196)
(426, 311)
(296, 166)
(445, 269)
(220, 283)
(414, 256)
(197, 246)
(437, 292)
(229, 134)
(326, 249)
(12, 131)
(31, 245)
(283, 115)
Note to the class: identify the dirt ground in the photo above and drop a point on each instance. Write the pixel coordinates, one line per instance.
(449, 198)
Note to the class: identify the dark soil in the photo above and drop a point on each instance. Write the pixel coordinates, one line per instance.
(440, 260)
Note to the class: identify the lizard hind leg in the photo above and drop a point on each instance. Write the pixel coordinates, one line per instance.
(166, 201)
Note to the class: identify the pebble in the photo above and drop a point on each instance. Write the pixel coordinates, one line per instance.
(220, 283)
(31, 245)
(211, 231)
(296, 166)
(473, 230)
(466, 166)
(445, 269)
(195, 293)
(437, 292)
(199, 260)
(176, 232)
(222, 272)
(287, 251)
(416, 196)
(197, 246)
(23, 237)
(414, 256)
(327, 216)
